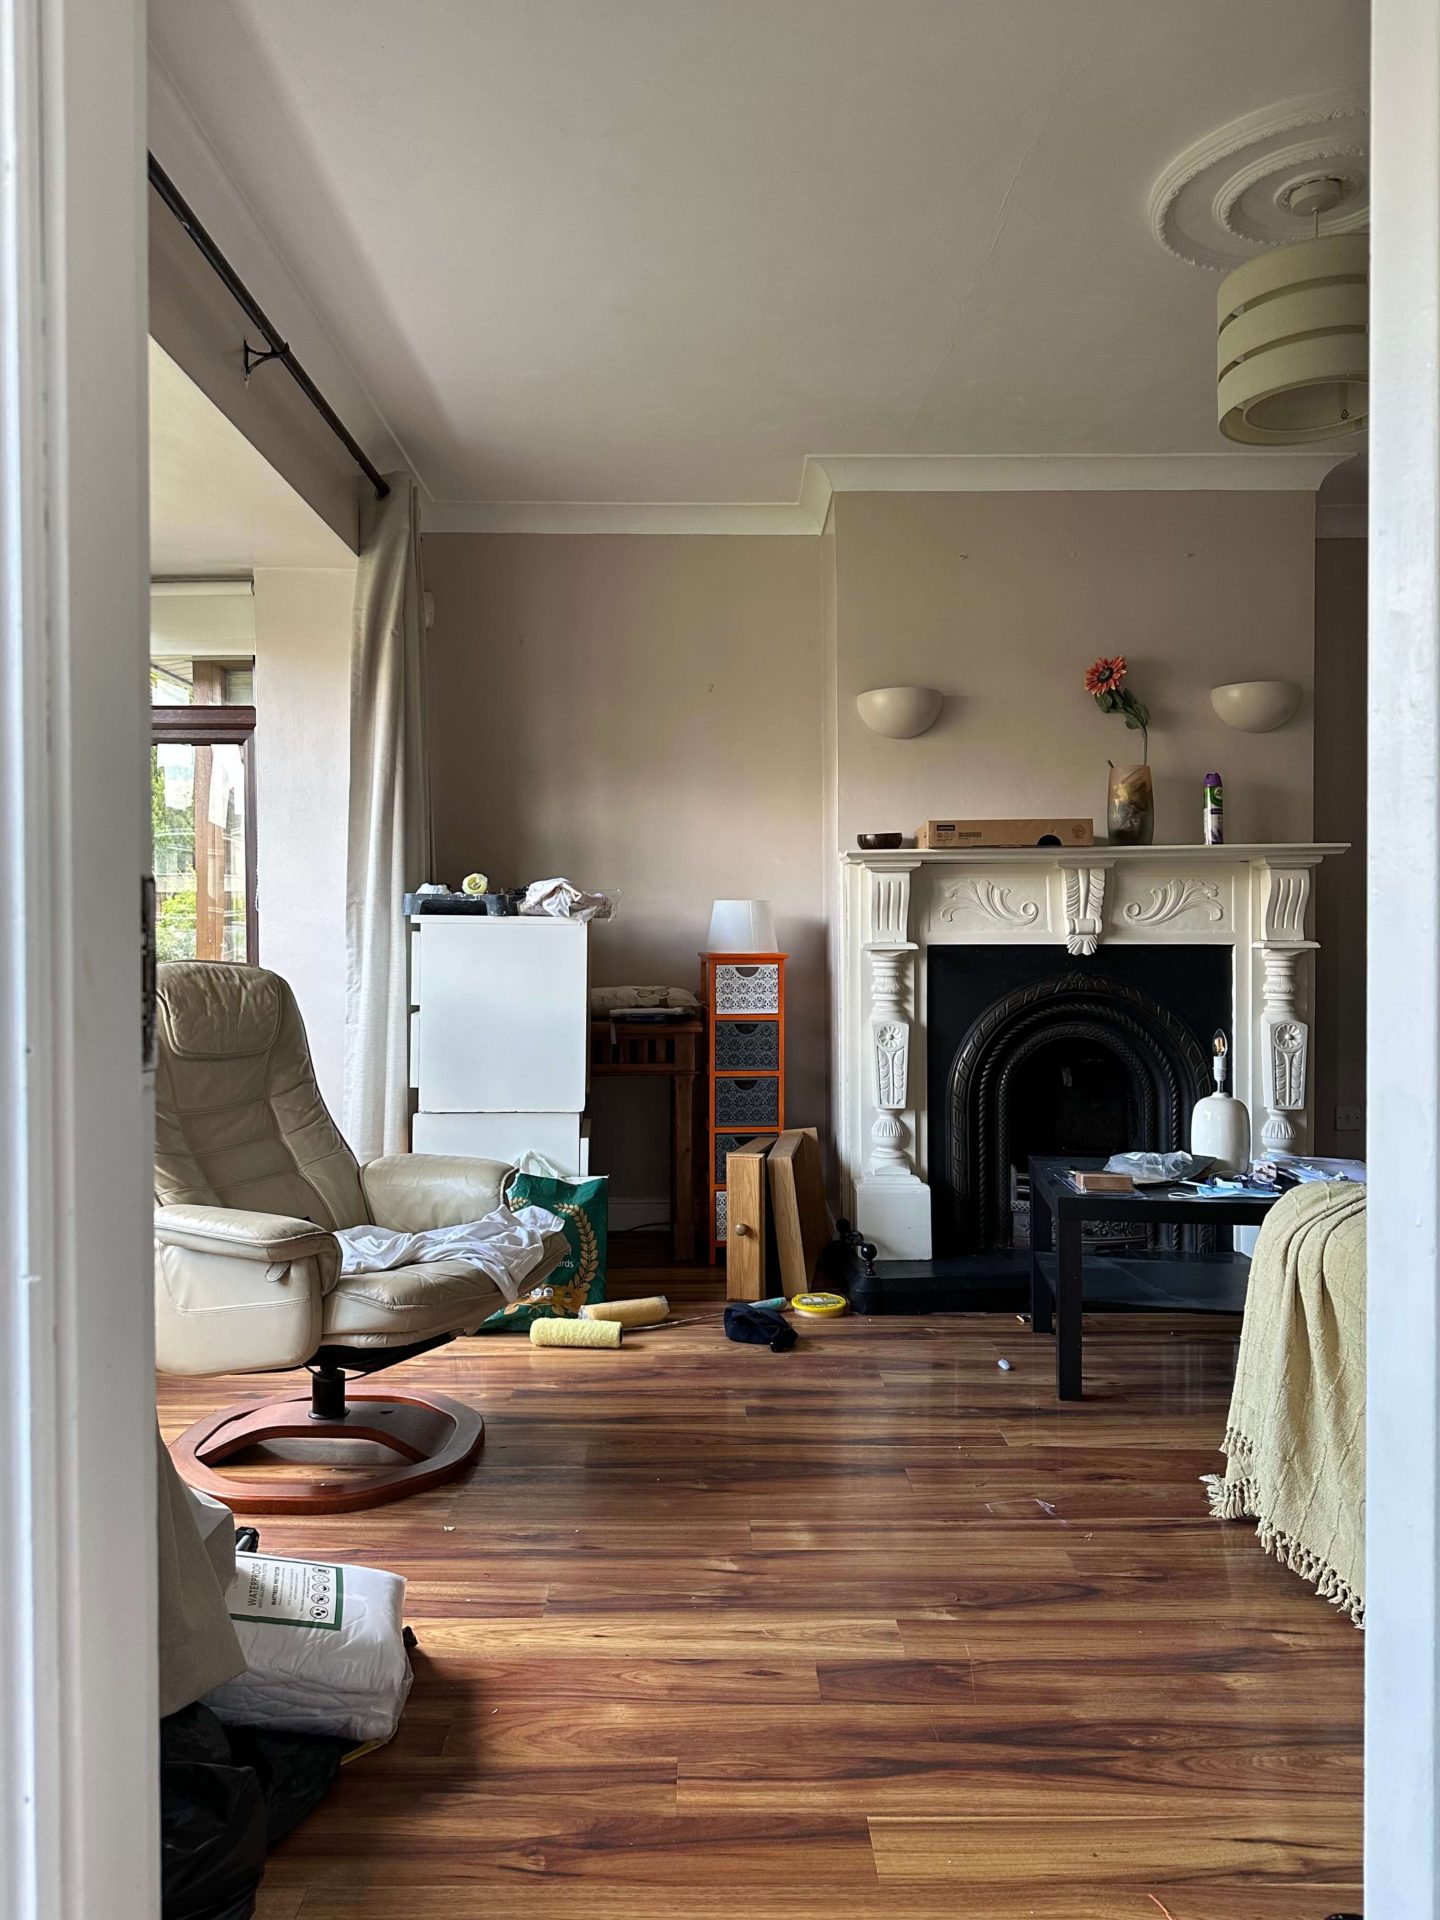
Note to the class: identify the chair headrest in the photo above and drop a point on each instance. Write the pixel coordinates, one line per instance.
(217, 1010)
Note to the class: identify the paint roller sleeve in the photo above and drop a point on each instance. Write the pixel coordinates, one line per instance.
(575, 1333)
(629, 1313)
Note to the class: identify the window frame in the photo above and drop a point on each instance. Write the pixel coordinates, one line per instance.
(216, 726)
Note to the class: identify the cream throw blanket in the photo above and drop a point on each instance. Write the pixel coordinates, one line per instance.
(1295, 1441)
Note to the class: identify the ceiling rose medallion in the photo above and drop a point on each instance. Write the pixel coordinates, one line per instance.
(1280, 198)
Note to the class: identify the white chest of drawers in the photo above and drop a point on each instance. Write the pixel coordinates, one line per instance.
(499, 1037)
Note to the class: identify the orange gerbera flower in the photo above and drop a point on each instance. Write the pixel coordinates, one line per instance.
(1105, 676)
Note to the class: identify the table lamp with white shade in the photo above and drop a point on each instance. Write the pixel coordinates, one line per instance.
(742, 926)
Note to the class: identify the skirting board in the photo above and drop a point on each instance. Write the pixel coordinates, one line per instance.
(630, 1212)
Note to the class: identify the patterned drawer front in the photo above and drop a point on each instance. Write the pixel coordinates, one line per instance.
(722, 1204)
(747, 1103)
(747, 989)
(725, 1145)
(746, 1043)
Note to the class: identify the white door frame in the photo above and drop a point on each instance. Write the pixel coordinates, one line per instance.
(78, 1698)
(77, 1667)
(1402, 1577)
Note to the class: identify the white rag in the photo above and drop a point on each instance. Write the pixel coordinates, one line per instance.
(561, 899)
(508, 1246)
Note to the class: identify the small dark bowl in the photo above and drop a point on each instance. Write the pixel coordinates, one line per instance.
(877, 842)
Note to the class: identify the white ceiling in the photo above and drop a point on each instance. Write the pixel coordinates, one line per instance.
(216, 505)
(661, 250)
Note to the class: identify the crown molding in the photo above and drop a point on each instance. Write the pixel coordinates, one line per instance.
(826, 475)
(1259, 472)
(1346, 520)
(616, 516)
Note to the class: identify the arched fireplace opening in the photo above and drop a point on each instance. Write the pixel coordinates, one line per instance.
(1079, 1060)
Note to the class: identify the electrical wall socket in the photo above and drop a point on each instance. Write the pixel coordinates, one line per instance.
(1349, 1119)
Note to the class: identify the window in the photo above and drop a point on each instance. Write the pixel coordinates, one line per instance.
(193, 683)
(202, 808)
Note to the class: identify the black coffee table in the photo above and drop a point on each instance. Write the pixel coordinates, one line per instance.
(1182, 1283)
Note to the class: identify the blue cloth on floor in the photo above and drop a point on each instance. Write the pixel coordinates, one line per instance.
(758, 1327)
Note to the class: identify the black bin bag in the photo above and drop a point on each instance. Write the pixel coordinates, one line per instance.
(212, 1822)
(226, 1794)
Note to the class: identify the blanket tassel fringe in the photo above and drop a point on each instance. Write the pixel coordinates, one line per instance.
(1239, 1499)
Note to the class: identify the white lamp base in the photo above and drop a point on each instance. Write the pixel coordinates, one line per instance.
(1220, 1131)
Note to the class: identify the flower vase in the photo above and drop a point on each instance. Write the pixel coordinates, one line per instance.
(1130, 813)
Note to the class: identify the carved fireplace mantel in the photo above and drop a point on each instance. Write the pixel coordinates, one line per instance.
(896, 905)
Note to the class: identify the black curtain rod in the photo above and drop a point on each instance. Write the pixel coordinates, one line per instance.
(253, 311)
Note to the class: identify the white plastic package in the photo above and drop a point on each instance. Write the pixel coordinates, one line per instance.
(324, 1647)
(1157, 1169)
(561, 899)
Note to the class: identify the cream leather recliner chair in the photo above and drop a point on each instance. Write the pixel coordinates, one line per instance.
(251, 1175)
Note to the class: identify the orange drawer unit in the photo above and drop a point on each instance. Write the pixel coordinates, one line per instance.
(744, 995)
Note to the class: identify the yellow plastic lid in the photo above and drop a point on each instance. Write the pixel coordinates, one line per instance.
(820, 1303)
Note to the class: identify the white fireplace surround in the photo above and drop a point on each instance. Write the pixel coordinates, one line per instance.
(897, 905)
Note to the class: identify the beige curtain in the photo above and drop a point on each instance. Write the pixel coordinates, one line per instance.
(389, 842)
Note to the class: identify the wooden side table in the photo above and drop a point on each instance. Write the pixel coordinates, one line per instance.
(675, 1050)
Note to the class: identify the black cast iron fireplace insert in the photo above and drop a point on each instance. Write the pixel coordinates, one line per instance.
(1032, 1051)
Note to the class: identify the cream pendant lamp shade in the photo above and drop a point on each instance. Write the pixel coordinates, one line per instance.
(742, 926)
(1292, 359)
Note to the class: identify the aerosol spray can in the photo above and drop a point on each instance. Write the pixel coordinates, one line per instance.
(1214, 811)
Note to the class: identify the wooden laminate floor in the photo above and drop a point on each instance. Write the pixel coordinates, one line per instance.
(872, 1628)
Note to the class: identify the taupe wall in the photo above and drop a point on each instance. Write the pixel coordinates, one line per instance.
(302, 748)
(1003, 600)
(675, 716)
(1340, 772)
(640, 713)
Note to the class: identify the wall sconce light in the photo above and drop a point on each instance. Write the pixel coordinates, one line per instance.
(900, 713)
(1256, 706)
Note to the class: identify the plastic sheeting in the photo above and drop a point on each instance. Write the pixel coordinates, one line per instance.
(507, 1246)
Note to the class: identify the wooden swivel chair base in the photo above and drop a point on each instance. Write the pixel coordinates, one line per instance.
(434, 1437)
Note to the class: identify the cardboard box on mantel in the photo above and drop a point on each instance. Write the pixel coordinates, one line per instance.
(936, 835)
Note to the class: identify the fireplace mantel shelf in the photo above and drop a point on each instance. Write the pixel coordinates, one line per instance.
(897, 903)
(1278, 853)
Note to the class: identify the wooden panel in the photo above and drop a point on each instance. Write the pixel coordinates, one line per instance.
(803, 1225)
(750, 1236)
(516, 1899)
(870, 1630)
(1304, 1839)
